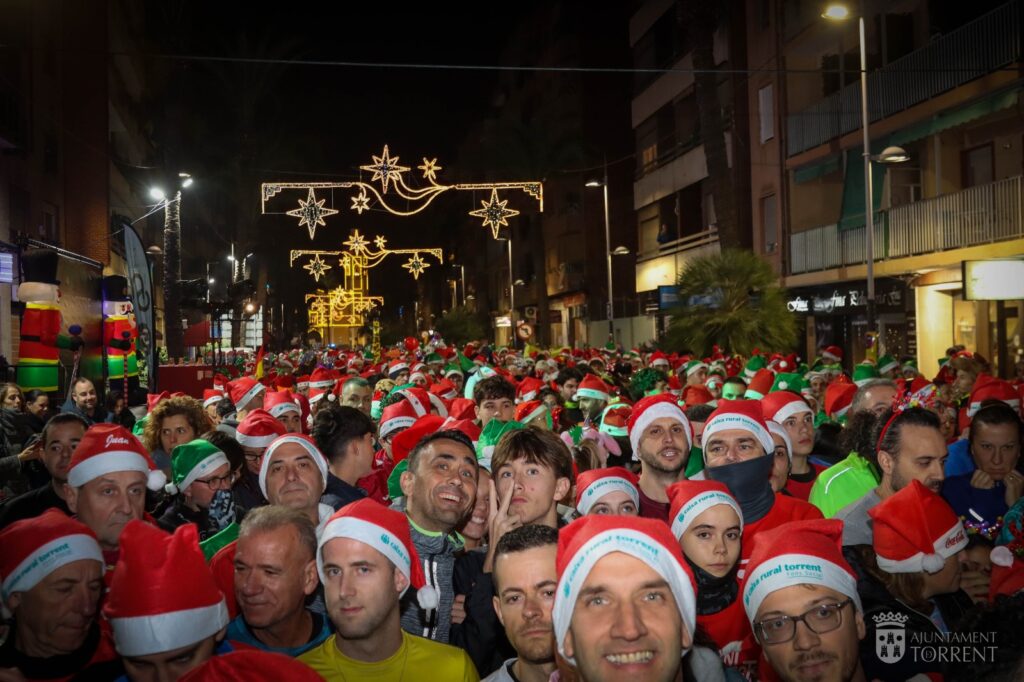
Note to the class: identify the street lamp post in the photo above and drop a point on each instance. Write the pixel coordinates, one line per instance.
(839, 12)
(511, 295)
(175, 335)
(608, 253)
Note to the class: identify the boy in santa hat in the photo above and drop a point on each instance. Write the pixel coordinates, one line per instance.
(495, 399)
(166, 611)
(625, 603)
(739, 452)
(801, 599)
(51, 569)
(107, 481)
(660, 436)
(367, 562)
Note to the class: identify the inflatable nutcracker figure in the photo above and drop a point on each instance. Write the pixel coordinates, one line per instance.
(41, 337)
(119, 334)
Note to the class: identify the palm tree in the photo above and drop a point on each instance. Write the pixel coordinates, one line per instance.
(731, 299)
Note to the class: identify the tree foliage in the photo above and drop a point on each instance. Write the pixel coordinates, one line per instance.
(731, 299)
(460, 325)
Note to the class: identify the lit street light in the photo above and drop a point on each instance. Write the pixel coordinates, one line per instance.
(174, 332)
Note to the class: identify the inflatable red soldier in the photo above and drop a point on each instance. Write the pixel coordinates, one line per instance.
(41, 338)
(119, 334)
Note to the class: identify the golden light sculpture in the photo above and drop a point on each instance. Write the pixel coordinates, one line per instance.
(388, 190)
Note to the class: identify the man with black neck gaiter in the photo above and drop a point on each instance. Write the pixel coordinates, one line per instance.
(738, 451)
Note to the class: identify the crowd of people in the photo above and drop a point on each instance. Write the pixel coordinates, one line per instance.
(444, 513)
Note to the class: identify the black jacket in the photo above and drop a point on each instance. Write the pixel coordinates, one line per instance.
(177, 513)
(481, 634)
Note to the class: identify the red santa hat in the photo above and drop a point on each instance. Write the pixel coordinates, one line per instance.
(696, 395)
(915, 531)
(987, 387)
(838, 398)
(154, 399)
(278, 403)
(594, 484)
(781, 405)
(258, 430)
(36, 547)
(689, 499)
(589, 539)
(302, 382)
(445, 390)
(251, 665)
(592, 387)
(106, 448)
(323, 378)
(739, 414)
(832, 353)
(786, 363)
(162, 595)
(220, 382)
(211, 396)
(386, 531)
(400, 415)
(466, 426)
(658, 359)
(653, 407)
(530, 410)
(797, 553)
(462, 408)
(760, 385)
(303, 441)
(318, 394)
(528, 388)
(243, 390)
(395, 367)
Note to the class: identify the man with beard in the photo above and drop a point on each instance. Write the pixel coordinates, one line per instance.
(910, 447)
(440, 489)
(367, 561)
(739, 452)
(57, 443)
(84, 402)
(107, 481)
(525, 581)
(801, 598)
(661, 437)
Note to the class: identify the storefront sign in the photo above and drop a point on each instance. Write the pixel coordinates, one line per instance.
(503, 321)
(841, 300)
(993, 280)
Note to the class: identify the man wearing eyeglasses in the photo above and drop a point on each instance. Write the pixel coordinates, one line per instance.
(801, 598)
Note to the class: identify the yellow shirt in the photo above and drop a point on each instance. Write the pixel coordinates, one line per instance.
(417, 659)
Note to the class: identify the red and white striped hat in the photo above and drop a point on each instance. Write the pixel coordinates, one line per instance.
(107, 448)
(162, 595)
(797, 553)
(386, 531)
(258, 429)
(36, 547)
(915, 530)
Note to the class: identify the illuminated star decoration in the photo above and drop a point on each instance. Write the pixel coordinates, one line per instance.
(416, 266)
(361, 202)
(494, 213)
(356, 242)
(380, 242)
(311, 213)
(317, 267)
(385, 169)
(429, 168)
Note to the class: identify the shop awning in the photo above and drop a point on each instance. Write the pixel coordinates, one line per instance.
(817, 170)
(852, 215)
(952, 118)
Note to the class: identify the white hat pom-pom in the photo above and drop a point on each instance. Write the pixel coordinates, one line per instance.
(332, 398)
(1001, 556)
(171, 489)
(427, 597)
(156, 479)
(932, 563)
(783, 385)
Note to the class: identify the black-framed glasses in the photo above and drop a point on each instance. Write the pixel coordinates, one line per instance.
(217, 482)
(255, 458)
(819, 620)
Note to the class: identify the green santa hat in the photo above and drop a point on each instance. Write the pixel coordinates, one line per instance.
(863, 373)
(910, 365)
(490, 436)
(191, 461)
(755, 363)
(788, 381)
(433, 358)
(452, 370)
(887, 363)
(694, 366)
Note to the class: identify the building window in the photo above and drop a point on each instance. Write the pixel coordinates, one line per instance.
(769, 224)
(766, 112)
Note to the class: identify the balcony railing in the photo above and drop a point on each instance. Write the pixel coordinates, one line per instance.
(978, 215)
(977, 48)
(701, 240)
